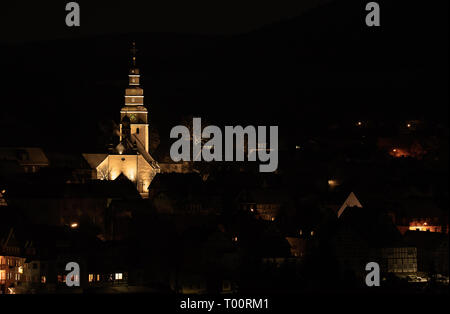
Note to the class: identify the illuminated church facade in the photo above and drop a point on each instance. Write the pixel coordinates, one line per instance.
(131, 157)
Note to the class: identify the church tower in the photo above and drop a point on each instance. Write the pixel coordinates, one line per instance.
(134, 109)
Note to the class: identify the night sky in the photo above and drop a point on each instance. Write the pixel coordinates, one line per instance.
(299, 66)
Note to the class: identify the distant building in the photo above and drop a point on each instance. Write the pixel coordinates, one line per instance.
(263, 204)
(93, 205)
(298, 246)
(30, 159)
(184, 194)
(432, 251)
(419, 214)
(2, 198)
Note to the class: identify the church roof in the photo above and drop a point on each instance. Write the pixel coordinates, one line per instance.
(144, 153)
(94, 159)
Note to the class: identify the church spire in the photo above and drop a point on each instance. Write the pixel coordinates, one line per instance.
(133, 53)
(134, 76)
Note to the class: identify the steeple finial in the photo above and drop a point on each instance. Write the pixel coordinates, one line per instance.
(133, 53)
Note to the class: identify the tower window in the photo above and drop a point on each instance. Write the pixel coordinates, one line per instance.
(137, 131)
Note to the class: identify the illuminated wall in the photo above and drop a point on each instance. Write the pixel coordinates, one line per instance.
(134, 167)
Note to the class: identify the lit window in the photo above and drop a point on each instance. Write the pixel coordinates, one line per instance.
(43, 279)
(91, 277)
(119, 276)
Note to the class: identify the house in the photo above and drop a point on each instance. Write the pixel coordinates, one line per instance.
(15, 254)
(30, 159)
(361, 236)
(11, 262)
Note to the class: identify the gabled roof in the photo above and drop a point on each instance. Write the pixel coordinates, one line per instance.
(67, 160)
(127, 147)
(24, 155)
(351, 201)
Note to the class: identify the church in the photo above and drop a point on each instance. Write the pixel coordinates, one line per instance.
(131, 157)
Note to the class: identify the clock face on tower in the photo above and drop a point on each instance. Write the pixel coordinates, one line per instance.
(132, 117)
